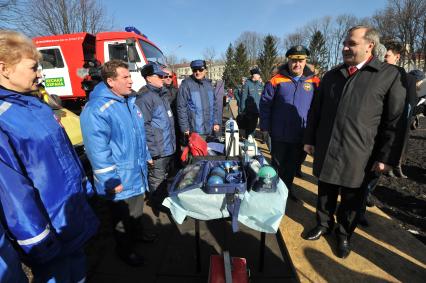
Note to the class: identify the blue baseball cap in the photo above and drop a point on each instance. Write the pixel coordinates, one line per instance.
(198, 64)
(152, 68)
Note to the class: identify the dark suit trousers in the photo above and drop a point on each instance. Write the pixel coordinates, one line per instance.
(127, 222)
(369, 184)
(251, 120)
(348, 211)
(285, 158)
(157, 179)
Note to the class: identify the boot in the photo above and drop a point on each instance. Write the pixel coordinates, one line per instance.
(390, 174)
(397, 171)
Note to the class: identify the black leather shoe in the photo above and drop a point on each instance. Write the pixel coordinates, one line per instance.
(316, 233)
(343, 247)
(133, 259)
(397, 171)
(147, 237)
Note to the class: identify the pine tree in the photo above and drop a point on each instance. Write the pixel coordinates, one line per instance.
(268, 56)
(242, 63)
(319, 52)
(229, 73)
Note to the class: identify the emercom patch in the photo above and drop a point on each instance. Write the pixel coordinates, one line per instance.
(307, 86)
(54, 82)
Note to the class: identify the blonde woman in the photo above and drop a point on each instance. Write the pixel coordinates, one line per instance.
(43, 189)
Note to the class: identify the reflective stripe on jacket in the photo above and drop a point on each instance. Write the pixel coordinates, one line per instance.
(285, 103)
(43, 189)
(114, 138)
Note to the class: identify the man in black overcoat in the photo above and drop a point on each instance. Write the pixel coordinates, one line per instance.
(354, 130)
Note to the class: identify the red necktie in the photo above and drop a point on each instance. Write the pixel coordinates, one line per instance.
(352, 70)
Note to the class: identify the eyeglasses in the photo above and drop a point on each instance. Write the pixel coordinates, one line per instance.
(198, 70)
(167, 77)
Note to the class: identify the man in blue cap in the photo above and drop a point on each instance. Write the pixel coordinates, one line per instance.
(159, 128)
(196, 104)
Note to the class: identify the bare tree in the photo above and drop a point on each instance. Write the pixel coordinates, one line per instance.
(253, 42)
(209, 54)
(423, 44)
(41, 17)
(171, 61)
(8, 9)
(183, 61)
(296, 38)
(404, 21)
(342, 24)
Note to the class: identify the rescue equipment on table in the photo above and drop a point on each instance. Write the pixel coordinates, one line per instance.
(261, 177)
(232, 138)
(196, 147)
(226, 177)
(188, 177)
(249, 149)
(250, 146)
(267, 180)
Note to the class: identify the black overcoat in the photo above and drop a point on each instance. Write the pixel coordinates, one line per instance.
(356, 120)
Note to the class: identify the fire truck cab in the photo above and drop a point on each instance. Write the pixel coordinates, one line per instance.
(70, 63)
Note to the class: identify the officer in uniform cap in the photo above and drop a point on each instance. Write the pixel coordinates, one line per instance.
(197, 106)
(284, 107)
(298, 52)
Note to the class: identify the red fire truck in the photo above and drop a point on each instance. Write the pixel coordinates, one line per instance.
(70, 62)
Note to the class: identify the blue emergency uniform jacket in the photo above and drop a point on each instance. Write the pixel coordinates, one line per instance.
(197, 107)
(285, 103)
(159, 121)
(114, 138)
(250, 96)
(10, 265)
(43, 188)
